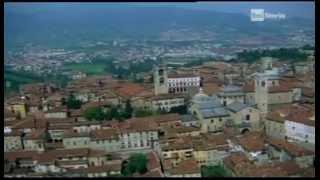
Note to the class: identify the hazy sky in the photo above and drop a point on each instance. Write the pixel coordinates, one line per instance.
(300, 9)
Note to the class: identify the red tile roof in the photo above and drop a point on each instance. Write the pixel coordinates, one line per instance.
(153, 161)
(36, 134)
(138, 124)
(105, 168)
(105, 134)
(189, 166)
(248, 87)
(252, 141)
(290, 148)
(129, 90)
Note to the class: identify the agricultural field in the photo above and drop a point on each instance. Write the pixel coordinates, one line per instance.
(88, 68)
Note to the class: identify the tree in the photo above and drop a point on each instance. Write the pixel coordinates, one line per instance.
(137, 163)
(73, 103)
(128, 109)
(94, 113)
(214, 171)
(143, 113)
(179, 109)
(114, 113)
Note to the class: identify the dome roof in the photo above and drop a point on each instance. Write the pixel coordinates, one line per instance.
(200, 97)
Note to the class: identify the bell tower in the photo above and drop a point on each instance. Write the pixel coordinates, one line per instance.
(261, 93)
(160, 79)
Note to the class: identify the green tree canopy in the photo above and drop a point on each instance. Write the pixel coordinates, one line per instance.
(214, 171)
(73, 103)
(143, 113)
(137, 163)
(128, 109)
(95, 113)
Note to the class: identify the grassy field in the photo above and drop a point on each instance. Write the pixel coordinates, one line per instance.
(88, 68)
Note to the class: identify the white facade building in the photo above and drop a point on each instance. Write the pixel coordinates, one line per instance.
(296, 131)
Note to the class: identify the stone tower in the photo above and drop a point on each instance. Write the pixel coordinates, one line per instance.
(160, 80)
(261, 93)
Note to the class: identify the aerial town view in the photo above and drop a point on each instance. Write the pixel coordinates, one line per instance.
(197, 89)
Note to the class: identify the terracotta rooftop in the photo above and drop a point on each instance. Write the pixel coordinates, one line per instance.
(12, 156)
(153, 161)
(63, 153)
(237, 163)
(179, 143)
(212, 88)
(290, 167)
(189, 166)
(166, 96)
(248, 87)
(166, 118)
(30, 123)
(129, 90)
(252, 141)
(138, 124)
(105, 168)
(301, 115)
(105, 134)
(36, 134)
(154, 173)
(290, 148)
(70, 133)
(182, 76)
(282, 87)
(96, 153)
(308, 92)
(275, 116)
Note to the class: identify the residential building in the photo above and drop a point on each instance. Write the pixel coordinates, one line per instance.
(165, 102)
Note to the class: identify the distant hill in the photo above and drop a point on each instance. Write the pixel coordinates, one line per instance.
(66, 26)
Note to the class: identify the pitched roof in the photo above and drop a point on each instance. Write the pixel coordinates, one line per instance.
(30, 122)
(105, 134)
(13, 155)
(105, 168)
(36, 134)
(153, 161)
(70, 133)
(154, 173)
(237, 162)
(252, 141)
(275, 116)
(138, 124)
(237, 106)
(129, 89)
(301, 116)
(248, 87)
(290, 148)
(189, 166)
